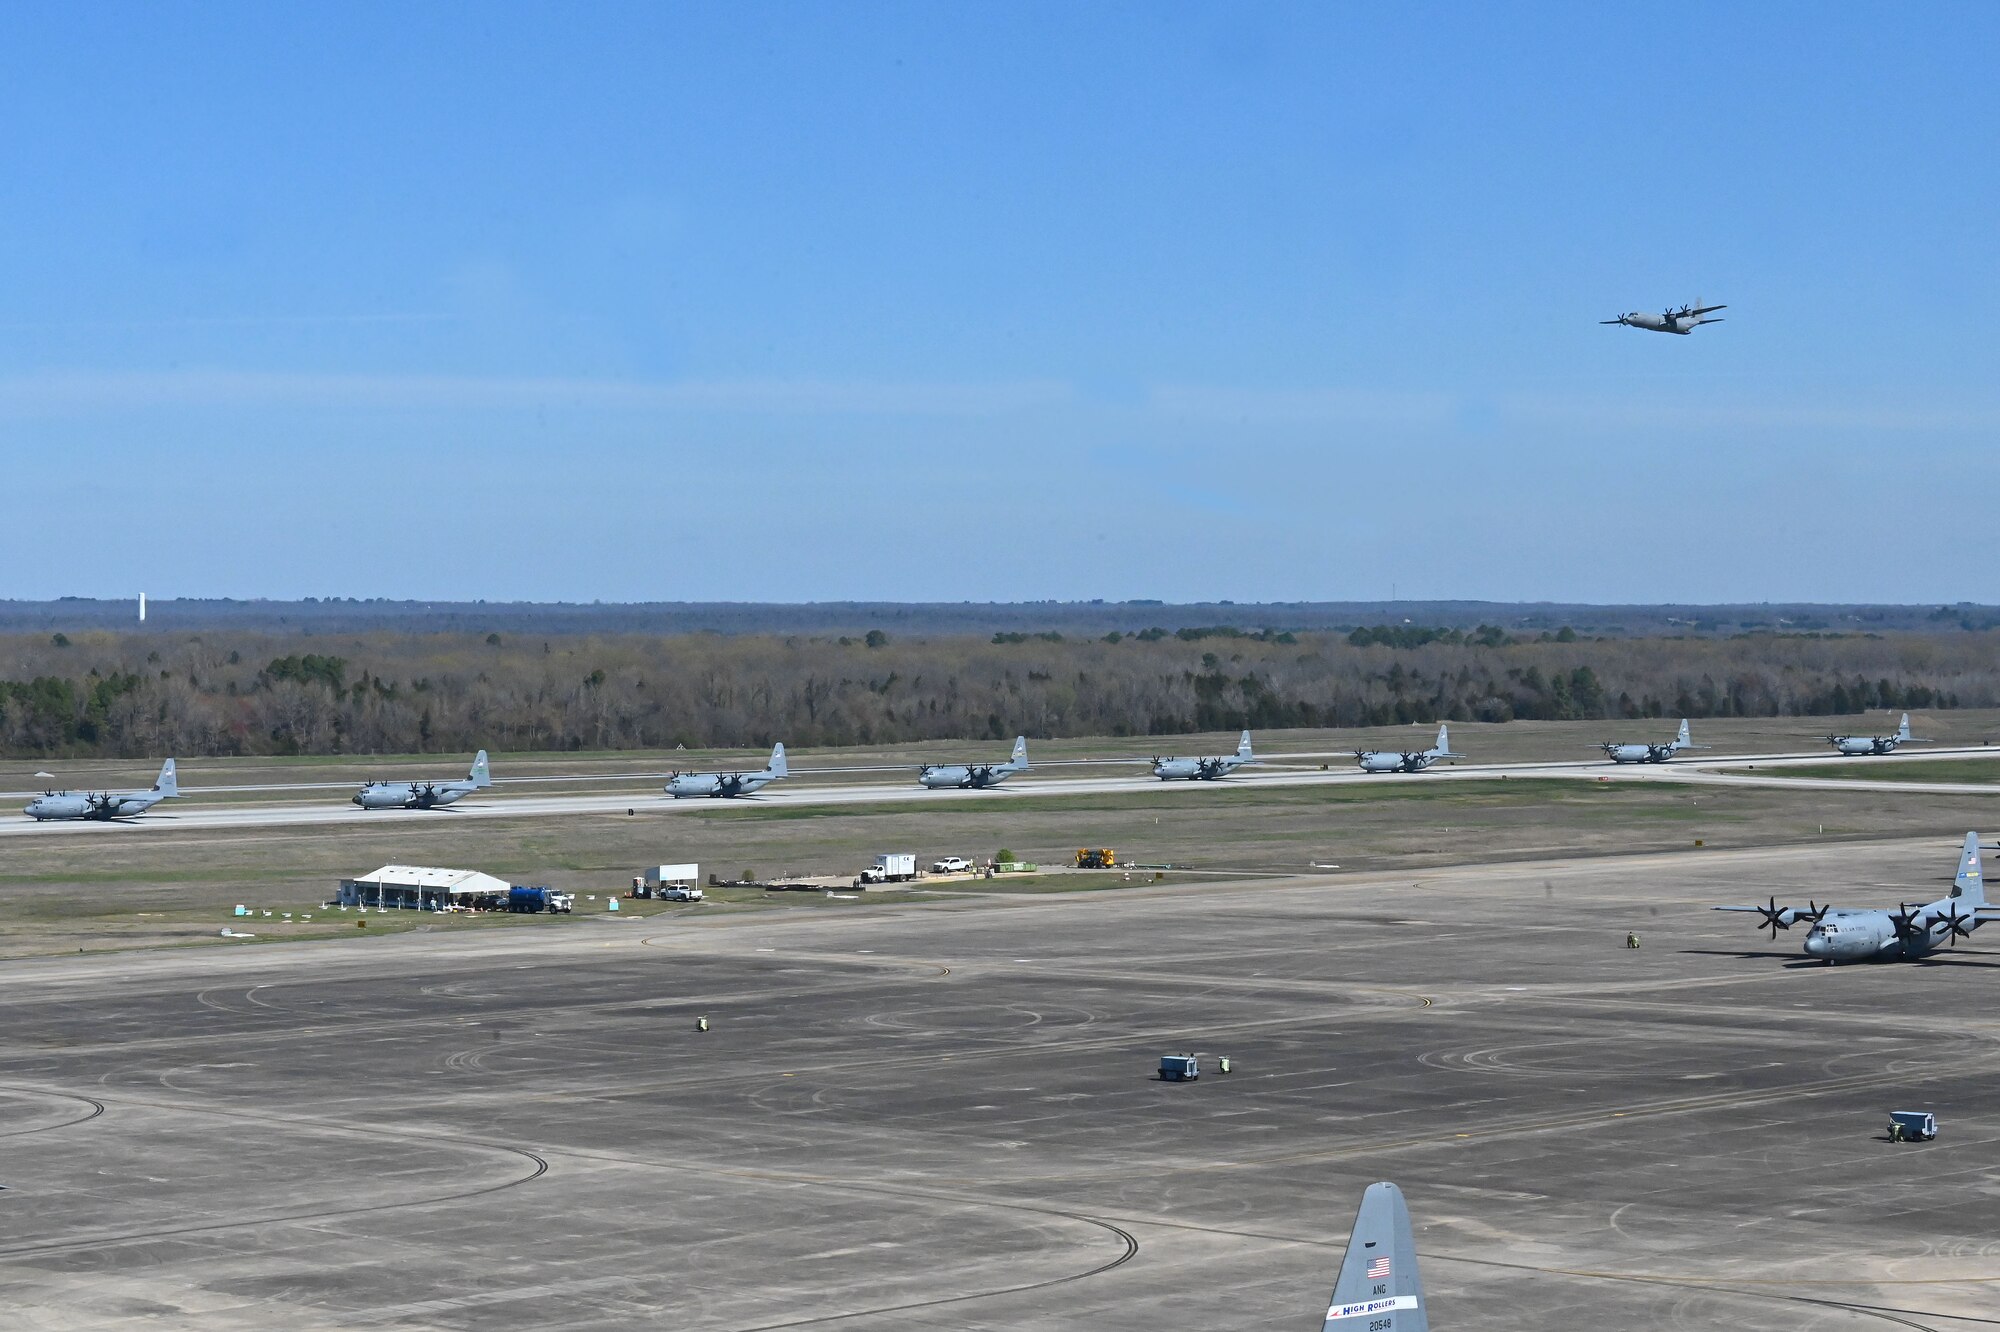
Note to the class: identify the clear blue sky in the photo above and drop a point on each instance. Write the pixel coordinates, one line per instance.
(1008, 301)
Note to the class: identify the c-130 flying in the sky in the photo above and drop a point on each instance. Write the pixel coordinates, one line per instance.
(1683, 321)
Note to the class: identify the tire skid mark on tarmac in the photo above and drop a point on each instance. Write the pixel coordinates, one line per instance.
(1129, 1242)
(538, 1162)
(1131, 1251)
(96, 1108)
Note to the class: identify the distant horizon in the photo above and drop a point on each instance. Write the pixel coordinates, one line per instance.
(155, 600)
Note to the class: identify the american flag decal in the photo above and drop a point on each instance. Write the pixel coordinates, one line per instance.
(1379, 1269)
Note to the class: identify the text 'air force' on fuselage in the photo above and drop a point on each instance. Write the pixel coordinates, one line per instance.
(1878, 934)
(728, 785)
(1203, 769)
(104, 806)
(975, 776)
(1406, 760)
(424, 795)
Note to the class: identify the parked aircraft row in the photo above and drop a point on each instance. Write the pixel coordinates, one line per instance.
(108, 805)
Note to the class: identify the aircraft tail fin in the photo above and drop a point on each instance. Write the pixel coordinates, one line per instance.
(1684, 739)
(1903, 728)
(479, 776)
(776, 767)
(1020, 759)
(1969, 886)
(1378, 1286)
(1243, 748)
(169, 783)
(1443, 747)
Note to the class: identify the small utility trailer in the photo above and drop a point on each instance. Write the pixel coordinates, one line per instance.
(1179, 1068)
(1912, 1126)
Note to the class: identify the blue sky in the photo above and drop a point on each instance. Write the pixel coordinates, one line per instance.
(808, 302)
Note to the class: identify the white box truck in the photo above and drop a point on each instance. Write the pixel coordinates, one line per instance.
(896, 868)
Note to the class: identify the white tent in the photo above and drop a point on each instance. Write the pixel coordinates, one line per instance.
(419, 886)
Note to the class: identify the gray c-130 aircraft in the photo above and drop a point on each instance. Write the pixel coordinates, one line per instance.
(1877, 744)
(104, 805)
(423, 795)
(1378, 1289)
(1618, 753)
(728, 785)
(1683, 321)
(1204, 769)
(975, 776)
(1406, 760)
(1847, 934)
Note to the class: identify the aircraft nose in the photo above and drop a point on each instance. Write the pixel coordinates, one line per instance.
(1815, 945)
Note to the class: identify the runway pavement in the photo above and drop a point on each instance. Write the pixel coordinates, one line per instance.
(945, 1117)
(1277, 771)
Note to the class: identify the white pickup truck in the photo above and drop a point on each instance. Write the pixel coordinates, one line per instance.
(680, 893)
(951, 865)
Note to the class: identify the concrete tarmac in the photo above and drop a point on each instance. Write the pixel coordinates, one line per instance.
(946, 1116)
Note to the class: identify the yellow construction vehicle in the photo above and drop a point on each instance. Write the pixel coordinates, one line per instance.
(1099, 857)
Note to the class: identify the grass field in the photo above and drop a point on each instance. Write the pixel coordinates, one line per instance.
(141, 887)
(1983, 770)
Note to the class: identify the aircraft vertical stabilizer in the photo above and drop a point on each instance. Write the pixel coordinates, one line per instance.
(1378, 1287)
(479, 777)
(777, 763)
(1021, 751)
(1243, 748)
(1969, 886)
(169, 783)
(1903, 728)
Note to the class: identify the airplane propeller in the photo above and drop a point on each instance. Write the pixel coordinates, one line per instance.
(1905, 922)
(1956, 923)
(1774, 916)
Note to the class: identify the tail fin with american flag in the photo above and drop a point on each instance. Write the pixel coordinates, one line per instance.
(1378, 1289)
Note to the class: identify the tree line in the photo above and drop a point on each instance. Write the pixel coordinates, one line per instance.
(228, 693)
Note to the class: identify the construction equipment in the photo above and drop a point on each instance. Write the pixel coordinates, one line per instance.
(1099, 857)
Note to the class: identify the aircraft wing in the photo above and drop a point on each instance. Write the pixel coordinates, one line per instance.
(1707, 309)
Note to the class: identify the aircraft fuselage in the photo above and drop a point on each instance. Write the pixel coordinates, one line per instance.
(103, 805)
(411, 795)
(1380, 760)
(1871, 936)
(1639, 753)
(718, 785)
(965, 777)
(1195, 769)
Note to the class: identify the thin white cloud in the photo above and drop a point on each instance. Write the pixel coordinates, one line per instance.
(225, 321)
(1825, 414)
(72, 391)
(1303, 406)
